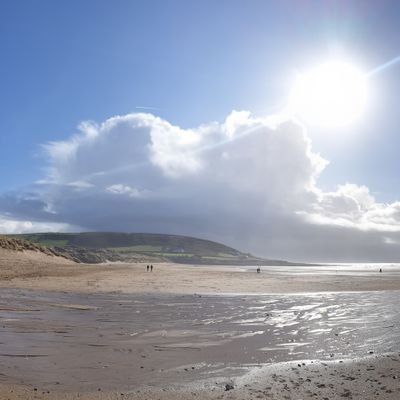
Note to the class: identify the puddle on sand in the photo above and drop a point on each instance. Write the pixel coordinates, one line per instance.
(116, 340)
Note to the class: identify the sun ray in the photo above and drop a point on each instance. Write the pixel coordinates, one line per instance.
(384, 66)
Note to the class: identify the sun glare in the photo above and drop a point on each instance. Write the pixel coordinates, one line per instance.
(333, 94)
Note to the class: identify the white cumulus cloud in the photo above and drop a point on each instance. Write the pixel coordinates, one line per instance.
(247, 181)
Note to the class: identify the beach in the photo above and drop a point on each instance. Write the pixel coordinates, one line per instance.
(117, 331)
(31, 270)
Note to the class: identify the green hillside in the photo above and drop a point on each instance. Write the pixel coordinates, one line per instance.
(117, 246)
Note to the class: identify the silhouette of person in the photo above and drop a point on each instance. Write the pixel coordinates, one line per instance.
(151, 268)
(148, 268)
(380, 269)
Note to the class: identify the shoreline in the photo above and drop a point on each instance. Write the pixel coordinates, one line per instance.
(107, 332)
(30, 270)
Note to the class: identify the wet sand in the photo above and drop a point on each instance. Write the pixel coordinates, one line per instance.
(107, 344)
(362, 379)
(72, 331)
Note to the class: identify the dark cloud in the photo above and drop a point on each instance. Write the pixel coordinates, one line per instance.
(248, 182)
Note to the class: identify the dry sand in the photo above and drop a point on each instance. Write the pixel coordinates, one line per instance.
(31, 270)
(372, 377)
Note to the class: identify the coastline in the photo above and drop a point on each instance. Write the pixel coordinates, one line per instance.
(115, 331)
(30, 270)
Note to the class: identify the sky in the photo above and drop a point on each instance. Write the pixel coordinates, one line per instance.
(167, 116)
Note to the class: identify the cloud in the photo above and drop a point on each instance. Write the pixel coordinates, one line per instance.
(249, 182)
(124, 190)
(11, 226)
(353, 206)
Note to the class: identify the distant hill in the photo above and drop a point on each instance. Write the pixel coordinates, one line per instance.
(94, 247)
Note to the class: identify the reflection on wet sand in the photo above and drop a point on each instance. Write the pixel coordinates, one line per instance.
(121, 341)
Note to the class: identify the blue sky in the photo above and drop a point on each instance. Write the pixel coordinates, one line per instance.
(191, 63)
(63, 62)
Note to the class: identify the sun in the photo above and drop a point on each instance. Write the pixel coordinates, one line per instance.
(332, 94)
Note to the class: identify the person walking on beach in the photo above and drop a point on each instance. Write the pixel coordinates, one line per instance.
(148, 267)
(151, 268)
